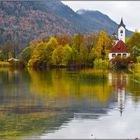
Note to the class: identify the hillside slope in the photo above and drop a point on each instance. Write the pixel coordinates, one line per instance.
(21, 21)
(100, 21)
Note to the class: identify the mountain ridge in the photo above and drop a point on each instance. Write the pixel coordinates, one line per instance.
(22, 21)
(101, 18)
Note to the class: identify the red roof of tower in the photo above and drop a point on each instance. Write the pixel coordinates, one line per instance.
(119, 47)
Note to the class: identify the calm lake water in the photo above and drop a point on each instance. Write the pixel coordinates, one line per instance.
(68, 104)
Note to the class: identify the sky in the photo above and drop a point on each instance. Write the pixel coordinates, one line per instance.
(128, 10)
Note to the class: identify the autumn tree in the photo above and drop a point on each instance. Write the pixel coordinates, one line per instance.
(64, 39)
(104, 43)
(80, 50)
(83, 57)
(42, 53)
(67, 58)
(57, 56)
(74, 56)
(26, 54)
(1, 55)
(7, 50)
(133, 44)
(92, 56)
(76, 41)
(91, 40)
(38, 55)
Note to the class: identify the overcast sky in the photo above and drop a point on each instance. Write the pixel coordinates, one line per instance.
(129, 10)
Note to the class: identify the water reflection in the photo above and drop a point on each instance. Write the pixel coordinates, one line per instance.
(119, 81)
(46, 104)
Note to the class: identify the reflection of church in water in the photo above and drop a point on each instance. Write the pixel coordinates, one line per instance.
(119, 82)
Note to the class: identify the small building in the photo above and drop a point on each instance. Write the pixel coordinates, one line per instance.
(13, 60)
(120, 48)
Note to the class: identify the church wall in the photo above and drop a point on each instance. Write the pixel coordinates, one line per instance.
(116, 54)
(121, 36)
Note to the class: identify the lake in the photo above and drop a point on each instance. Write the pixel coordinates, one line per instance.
(62, 103)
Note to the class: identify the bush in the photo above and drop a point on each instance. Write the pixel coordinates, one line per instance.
(99, 63)
(4, 64)
(121, 63)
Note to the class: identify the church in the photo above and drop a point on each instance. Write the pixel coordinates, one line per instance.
(119, 49)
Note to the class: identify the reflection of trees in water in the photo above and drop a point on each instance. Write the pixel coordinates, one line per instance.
(134, 86)
(124, 85)
(34, 101)
(13, 83)
(70, 92)
(66, 85)
(13, 125)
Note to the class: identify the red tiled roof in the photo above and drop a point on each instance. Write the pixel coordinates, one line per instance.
(120, 47)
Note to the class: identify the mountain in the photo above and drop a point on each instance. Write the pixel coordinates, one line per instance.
(22, 21)
(100, 21)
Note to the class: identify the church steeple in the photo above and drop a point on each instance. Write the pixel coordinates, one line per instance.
(121, 31)
(121, 23)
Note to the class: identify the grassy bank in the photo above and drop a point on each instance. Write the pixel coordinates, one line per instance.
(4, 64)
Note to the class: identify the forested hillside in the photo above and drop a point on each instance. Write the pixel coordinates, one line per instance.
(22, 21)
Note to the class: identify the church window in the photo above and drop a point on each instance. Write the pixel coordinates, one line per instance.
(121, 31)
(124, 55)
(113, 55)
(119, 54)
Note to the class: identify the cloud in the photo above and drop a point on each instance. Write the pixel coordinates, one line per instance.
(129, 10)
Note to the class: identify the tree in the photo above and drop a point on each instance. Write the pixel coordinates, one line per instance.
(26, 54)
(57, 56)
(83, 54)
(103, 53)
(92, 56)
(79, 46)
(63, 39)
(67, 59)
(134, 42)
(1, 55)
(7, 50)
(104, 43)
(42, 53)
(74, 56)
(91, 40)
(53, 42)
(76, 42)
(59, 50)
(38, 55)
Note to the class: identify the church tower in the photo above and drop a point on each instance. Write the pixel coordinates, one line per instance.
(121, 31)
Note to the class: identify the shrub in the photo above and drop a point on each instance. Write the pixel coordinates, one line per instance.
(121, 63)
(99, 63)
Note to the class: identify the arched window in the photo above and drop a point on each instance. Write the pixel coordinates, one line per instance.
(121, 31)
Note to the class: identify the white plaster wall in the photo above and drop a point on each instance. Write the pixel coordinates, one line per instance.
(121, 36)
(110, 55)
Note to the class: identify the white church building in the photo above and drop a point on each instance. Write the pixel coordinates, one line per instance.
(119, 49)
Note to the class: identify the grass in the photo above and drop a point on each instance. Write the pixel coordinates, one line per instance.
(4, 64)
